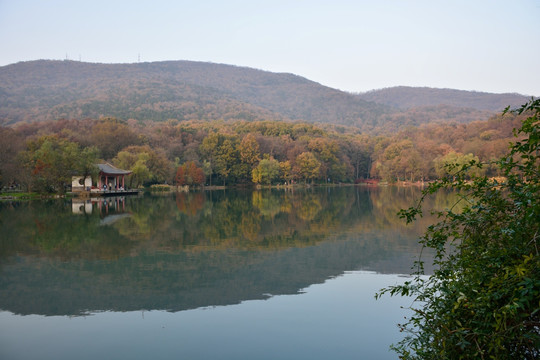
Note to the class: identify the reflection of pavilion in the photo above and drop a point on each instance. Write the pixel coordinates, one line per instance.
(110, 209)
(115, 204)
(81, 206)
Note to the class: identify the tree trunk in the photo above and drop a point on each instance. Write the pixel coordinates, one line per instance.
(368, 168)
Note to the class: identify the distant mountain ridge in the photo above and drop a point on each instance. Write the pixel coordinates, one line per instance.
(406, 97)
(186, 90)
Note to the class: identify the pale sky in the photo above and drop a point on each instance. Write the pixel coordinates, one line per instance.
(483, 45)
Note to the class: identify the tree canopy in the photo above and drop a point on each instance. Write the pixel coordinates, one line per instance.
(51, 161)
(229, 152)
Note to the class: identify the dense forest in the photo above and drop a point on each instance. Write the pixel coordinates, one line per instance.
(181, 90)
(194, 123)
(188, 91)
(42, 156)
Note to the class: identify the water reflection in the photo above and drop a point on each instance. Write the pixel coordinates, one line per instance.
(110, 209)
(189, 250)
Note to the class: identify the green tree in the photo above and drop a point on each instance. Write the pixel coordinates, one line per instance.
(359, 149)
(85, 164)
(52, 161)
(285, 169)
(147, 164)
(208, 149)
(482, 302)
(226, 158)
(249, 153)
(249, 150)
(140, 172)
(125, 160)
(451, 163)
(397, 161)
(208, 170)
(266, 172)
(308, 166)
(220, 150)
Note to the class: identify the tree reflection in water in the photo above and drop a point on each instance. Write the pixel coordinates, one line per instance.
(188, 250)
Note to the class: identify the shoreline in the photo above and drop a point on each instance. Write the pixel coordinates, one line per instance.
(13, 196)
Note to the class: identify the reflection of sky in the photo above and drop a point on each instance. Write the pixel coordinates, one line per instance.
(111, 219)
(339, 319)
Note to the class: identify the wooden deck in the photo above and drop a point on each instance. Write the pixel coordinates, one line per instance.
(96, 192)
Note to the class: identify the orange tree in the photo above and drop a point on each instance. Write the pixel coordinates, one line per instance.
(189, 174)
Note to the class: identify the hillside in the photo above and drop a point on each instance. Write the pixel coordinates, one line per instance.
(185, 90)
(404, 97)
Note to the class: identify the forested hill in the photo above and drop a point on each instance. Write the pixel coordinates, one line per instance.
(186, 90)
(183, 90)
(405, 97)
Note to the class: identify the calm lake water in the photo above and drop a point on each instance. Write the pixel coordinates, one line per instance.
(270, 274)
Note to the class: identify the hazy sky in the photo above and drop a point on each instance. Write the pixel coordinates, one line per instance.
(484, 45)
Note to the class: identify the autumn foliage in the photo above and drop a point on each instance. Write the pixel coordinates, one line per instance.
(247, 152)
(189, 174)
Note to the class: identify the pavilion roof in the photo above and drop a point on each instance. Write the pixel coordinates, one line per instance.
(108, 169)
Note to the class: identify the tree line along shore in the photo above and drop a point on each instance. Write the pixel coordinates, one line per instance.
(42, 157)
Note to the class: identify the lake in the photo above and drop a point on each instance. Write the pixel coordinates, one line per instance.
(229, 274)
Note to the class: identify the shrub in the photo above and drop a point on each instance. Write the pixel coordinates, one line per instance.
(483, 300)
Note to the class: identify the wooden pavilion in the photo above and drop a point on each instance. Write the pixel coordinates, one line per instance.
(111, 178)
